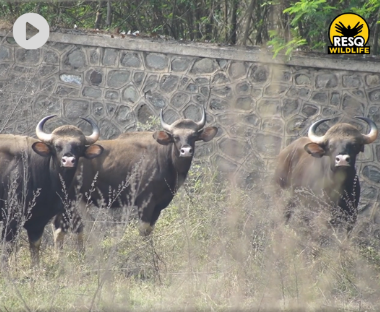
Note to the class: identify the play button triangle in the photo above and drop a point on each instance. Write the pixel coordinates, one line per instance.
(33, 30)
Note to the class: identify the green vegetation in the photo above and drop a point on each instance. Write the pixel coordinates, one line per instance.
(285, 25)
(214, 248)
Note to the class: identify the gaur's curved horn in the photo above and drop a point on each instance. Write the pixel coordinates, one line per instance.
(95, 132)
(164, 125)
(44, 137)
(202, 122)
(372, 135)
(311, 133)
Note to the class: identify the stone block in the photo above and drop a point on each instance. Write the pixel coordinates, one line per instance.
(130, 94)
(157, 61)
(31, 57)
(237, 70)
(118, 78)
(98, 109)
(110, 57)
(169, 83)
(302, 80)
(289, 107)
(224, 165)
(144, 113)
(66, 91)
(181, 64)
(326, 81)
(109, 130)
(46, 105)
(204, 66)
(243, 88)
(267, 145)
(309, 110)
(170, 116)
(192, 112)
(320, 97)
(352, 81)
(233, 148)
(138, 78)
(71, 78)
(74, 60)
(245, 103)
(95, 77)
(222, 91)
(192, 88)
(251, 119)
(151, 83)
(74, 108)
(92, 92)
(335, 98)
(156, 99)
(50, 57)
(130, 59)
(259, 73)
(202, 81)
(180, 99)
(269, 108)
(273, 125)
(275, 90)
(112, 95)
(217, 104)
(372, 80)
(372, 173)
(352, 106)
(374, 95)
(94, 55)
(303, 93)
(124, 116)
(220, 78)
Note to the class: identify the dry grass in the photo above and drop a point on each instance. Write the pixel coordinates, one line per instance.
(213, 248)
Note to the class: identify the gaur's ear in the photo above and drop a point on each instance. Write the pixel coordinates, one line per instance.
(314, 150)
(162, 137)
(41, 149)
(207, 134)
(93, 151)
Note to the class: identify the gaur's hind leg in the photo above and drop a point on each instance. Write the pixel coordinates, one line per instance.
(8, 235)
(35, 237)
(289, 210)
(145, 216)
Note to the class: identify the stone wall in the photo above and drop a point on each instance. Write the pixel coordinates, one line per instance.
(259, 104)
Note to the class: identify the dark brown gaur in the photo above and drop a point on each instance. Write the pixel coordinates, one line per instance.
(326, 165)
(162, 160)
(21, 161)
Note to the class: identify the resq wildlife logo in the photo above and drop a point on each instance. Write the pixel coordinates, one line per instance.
(348, 33)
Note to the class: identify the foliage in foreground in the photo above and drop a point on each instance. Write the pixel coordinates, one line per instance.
(212, 249)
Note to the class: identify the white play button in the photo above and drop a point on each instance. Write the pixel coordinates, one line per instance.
(40, 25)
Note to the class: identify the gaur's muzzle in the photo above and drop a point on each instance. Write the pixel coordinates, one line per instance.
(186, 151)
(342, 161)
(68, 161)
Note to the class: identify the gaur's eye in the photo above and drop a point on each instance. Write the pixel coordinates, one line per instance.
(176, 138)
(58, 148)
(355, 146)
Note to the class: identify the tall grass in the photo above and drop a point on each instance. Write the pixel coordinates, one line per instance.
(214, 248)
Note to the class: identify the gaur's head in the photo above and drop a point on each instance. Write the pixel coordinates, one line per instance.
(66, 144)
(183, 133)
(342, 142)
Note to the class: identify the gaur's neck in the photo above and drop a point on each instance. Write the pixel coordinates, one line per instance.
(57, 173)
(343, 181)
